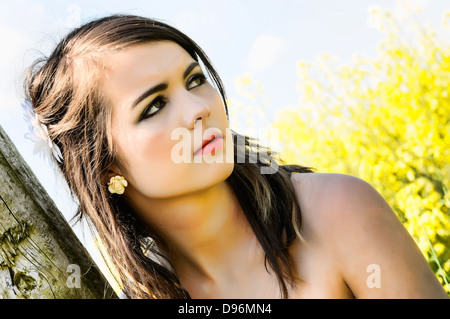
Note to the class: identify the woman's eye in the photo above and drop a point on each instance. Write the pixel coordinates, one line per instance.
(153, 108)
(196, 80)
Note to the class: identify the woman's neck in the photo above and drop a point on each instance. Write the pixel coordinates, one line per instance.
(206, 233)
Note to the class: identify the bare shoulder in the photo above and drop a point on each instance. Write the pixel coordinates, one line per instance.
(310, 185)
(334, 206)
(323, 197)
(348, 218)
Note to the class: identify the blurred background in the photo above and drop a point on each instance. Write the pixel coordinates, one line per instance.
(355, 86)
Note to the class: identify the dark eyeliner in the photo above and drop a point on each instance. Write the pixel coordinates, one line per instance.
(161, 100)
(197, 76)
(152, 104)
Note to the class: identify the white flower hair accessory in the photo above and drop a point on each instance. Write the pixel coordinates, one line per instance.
(38, 133)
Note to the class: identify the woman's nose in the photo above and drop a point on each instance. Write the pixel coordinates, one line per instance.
(195, 109)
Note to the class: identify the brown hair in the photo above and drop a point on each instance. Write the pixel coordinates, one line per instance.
(62, 89)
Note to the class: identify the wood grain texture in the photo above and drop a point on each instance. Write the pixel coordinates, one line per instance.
(37, 245)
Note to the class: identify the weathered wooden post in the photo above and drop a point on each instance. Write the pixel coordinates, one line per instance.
(40, 255)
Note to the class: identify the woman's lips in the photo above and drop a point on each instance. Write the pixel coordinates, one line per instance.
(210, 146)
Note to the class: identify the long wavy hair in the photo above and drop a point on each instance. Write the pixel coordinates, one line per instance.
(63, 90)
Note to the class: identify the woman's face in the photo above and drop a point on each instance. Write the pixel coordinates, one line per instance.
(163, 111)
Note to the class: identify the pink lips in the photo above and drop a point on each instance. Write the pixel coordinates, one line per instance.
(211, 145)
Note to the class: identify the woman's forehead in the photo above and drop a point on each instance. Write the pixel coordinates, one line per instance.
(131, 70)
(152, 58)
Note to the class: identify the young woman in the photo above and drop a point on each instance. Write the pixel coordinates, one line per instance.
(145, 146)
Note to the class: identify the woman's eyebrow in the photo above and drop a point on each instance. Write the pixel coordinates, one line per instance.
(152, 90)
(190, 67)
(162, 86)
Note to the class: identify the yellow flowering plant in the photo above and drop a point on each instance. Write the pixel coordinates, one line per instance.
(386, 120)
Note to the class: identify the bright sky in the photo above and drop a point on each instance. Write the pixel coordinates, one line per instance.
(263, 37)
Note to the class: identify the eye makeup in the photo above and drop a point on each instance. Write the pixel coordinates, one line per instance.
(159, 102)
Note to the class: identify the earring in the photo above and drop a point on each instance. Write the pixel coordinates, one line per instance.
(117, 184)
